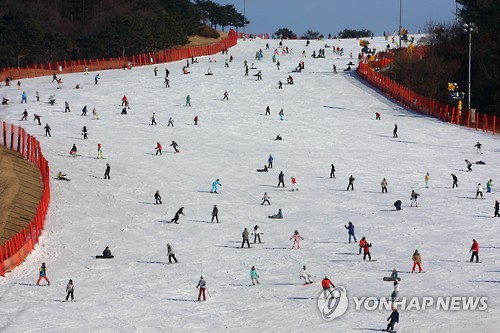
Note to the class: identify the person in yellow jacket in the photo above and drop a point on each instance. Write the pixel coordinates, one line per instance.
(427, 180)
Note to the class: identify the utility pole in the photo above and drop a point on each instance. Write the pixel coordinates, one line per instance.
(400, 20)
(469, 28)
(244, 17)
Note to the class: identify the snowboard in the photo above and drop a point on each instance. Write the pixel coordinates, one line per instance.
(388, 278)
(102, 257)
(305, 284)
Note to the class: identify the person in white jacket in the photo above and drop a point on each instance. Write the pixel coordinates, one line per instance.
(305, 275)
(256, 234)
(171, 253)
(479, 191)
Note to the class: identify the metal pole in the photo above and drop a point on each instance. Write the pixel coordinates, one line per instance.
(470, 59)
(400, 24)
(244, 17)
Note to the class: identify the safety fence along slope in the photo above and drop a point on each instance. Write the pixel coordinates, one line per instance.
(368, 70)
(14, 251)
(150, 58)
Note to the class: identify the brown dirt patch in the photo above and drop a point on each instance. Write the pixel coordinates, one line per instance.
(200, 41)
(20, 191)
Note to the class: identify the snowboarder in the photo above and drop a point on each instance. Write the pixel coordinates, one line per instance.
(281, 179)
(334, 69)
(395, 131)
(66, 107)
(215, 184)
(268, 111)
(47, 129)
(479, 191)
(174, 145)
(167, 72)
(377, 116)
(107, 171)
(188, 100)
(305, 275)
(96, 78)
(215, 214)
(350, 230)
(351, 183)
(24, 97)
(427, 179)
(489, 184)
(167, 82)
(99, 151)
(254, 276)
(202, 286)
(417, 260)
(270, 162)
(294, 183)
(496, 207)
(366, 250)
(413, 197)
(195, 120)
(84, 110)
(393, 319)
(84, 133)
(124, 100)
(171, 254)
(281, 114)
(37, 96)
(25, 115)
(158, 148)
(177, 215)
(155, 71)
(278, 215)
(43, 275)
(265, 199)
(362, 244)
(61, 176)
(332, 171)
(70, 288)
(153, 119)
(73, 150)
(94, 114)
(106, 254)
(245, 235)
(256, 233)
(170, 122)
(265, 169)
(326, 283)
(475, 251)
(226, 96)
(478, 146)
(157, 198)
(52, 99)
(280, 85)
(455, 180)
(384, 184)
(397, 204)
(296, 239)
(469, 165)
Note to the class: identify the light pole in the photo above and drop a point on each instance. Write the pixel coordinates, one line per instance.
(244, 17)
(400, 20)
(469, 28)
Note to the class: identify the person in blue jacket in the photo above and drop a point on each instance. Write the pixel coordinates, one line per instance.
(24, 97)
(270, 162)
(215, 185)
(350, 230)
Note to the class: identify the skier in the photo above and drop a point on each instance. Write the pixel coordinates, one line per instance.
(171, 254)
(294, 184)
(94, 114)
(24, 97)
(66, 107)
(167, 82)
(332, 171)
(43, 275)
(474, 249)
(84, 110)
(469, 165)
(384, 184)
(215, 184)
(170, 122)
(455, 180)
(99, 151)
(362, 244)
(296, 239)
(417, 260)
(351, 183)
(366, 250)
(393, 319)
(478, 145)
(84, 133)
(281, 114)
(427, 180)
(377, 116)
(155, 71)
(265, 199)
(37, 96)
(305, 275)
(215, 214)
(54, 77)
(280, 85)
(268, 111)
(496, 207)
(270, 162)
(397, 204)
(25, 115)
(395, 131)
(350, 230)
(70, 288)
(153, 119)
(326, 283)
(413, 197)
(256, 233)
(188, 100)
(245, 235)
(254, 276)
(158, 148)
(73, 150)
(107, 171)
(479, 191)
(202, 286)
(278, 215)
(226, 96)
(47, 129)
(96, 78)
(281, 179)
(167, 72)
(489, 184)
(195, 120)
(174, 145)
(157, 198)
(177, 215)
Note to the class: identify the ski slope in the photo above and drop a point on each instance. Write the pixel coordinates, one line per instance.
(328, 119)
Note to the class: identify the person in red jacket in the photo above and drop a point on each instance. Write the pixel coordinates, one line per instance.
(326, 283)
(475, 251)
(124, 100)
(158, 148)
(362, 244)
(195, 120)
(366, 251)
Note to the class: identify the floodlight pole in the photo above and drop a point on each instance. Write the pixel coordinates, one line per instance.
(400, 20)
(469, 28)
(244, 17)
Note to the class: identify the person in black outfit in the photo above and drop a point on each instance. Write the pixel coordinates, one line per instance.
(455, 180)
(47, 130)
(496, 209)
(85, 133)
(106, 172)
(332, 171)
(351, 183)
(397, 204)
(157, 198)
(167, 72)
(215, 214)
(281, 179)
(177, 215)
(395, 131)
(268, 111)
(393, 319)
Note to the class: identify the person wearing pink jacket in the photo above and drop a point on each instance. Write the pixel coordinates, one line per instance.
(296, 239)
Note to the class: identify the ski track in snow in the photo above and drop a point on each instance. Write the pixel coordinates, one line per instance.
(328, 119)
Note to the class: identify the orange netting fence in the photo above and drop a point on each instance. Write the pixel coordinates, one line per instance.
(75, 66)
(14, 251)
(421, 104)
